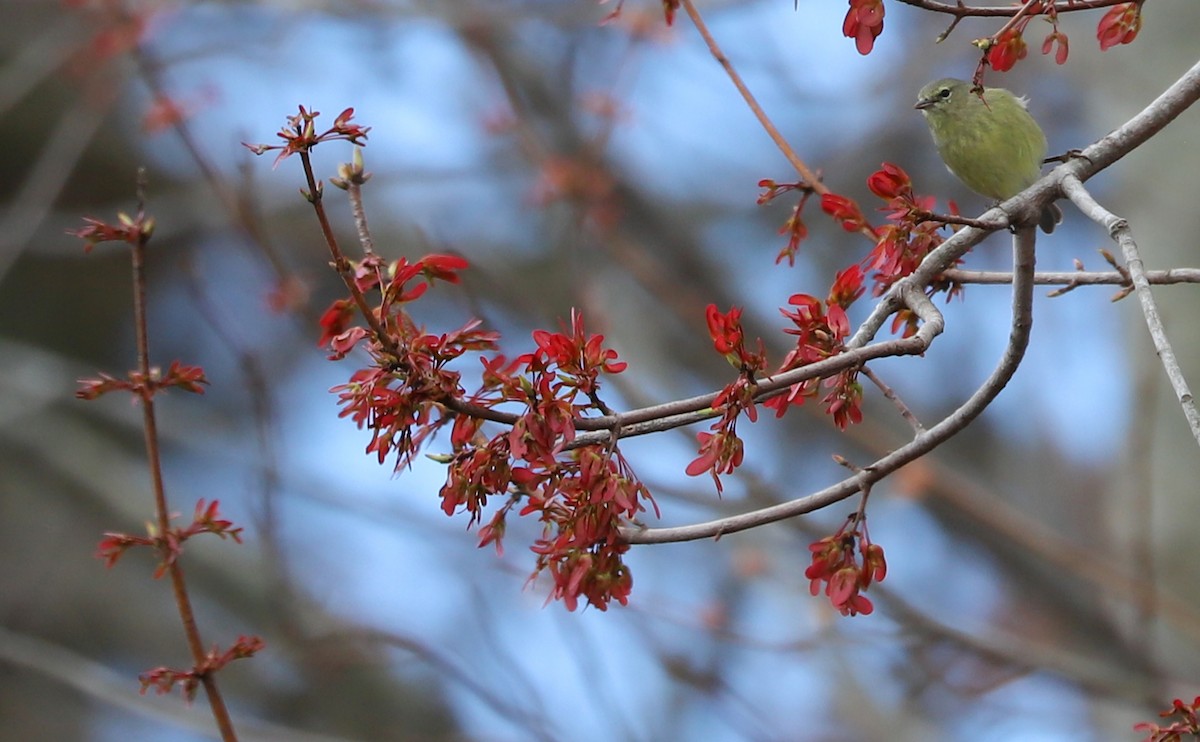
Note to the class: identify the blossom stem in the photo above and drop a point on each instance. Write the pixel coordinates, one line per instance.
(153, 455)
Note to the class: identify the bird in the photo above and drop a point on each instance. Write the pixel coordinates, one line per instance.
(990, 142)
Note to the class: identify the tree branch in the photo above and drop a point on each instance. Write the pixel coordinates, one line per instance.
(959, 10)
(1104, 152)
(1022, 321)
(1120, 231)
(1078, 278)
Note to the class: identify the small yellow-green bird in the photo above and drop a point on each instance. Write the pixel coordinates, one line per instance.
(992, 144)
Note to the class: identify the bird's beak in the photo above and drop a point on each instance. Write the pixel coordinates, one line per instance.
(924, 103)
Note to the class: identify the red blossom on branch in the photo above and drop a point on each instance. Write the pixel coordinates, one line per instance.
(794, 227)
(844, 210)
(909, 236)
(721, 451)
(847, 564)
(890, 182)
(796, 230)
(128, 230)
(1188, 723)
(581, 495)
(820, 327)
(300, 134)
(844, 401)
(1059, 38)
(1004, 51)
(579, 357)
(164, 679)
(336, 320)
(169, 545)
(820, 331)
(1055, 37)
(1120, 25)
(187, 378)
(864, 23)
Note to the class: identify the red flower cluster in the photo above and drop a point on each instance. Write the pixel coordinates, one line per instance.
(163, 679)
(835, 563)
(130, 230)
(1060, 38)
(396, 397)
(300, 134)
(794, 227)
(1055, 37)
(864, 23)
(188, 378)
(844, 210)
(822, 327)
(908, 238)
(206, 519)
(721, 451)
(1120, 25)
(1004, 51)
(582, 495)
(1188, 723)
(821, 330)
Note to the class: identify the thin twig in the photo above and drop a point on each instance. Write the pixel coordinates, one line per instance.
(354, 178)
(890, 395)
(1123, 234)
(810, 178)
(1021, 13)
(183, 601)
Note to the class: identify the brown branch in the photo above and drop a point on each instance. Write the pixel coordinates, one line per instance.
(964, 11)
(183, 602)
(1023, 11)
(810, 178)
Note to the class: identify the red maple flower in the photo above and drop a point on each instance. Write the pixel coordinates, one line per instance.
(864, 23)
(1120, 25)
(1008, 49)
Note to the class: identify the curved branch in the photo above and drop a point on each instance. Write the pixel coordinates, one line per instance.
(1021, 208)
(1022, 321)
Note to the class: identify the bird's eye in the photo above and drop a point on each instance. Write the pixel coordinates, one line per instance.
(944, 93)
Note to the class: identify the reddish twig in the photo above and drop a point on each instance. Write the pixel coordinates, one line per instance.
(154, 460)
